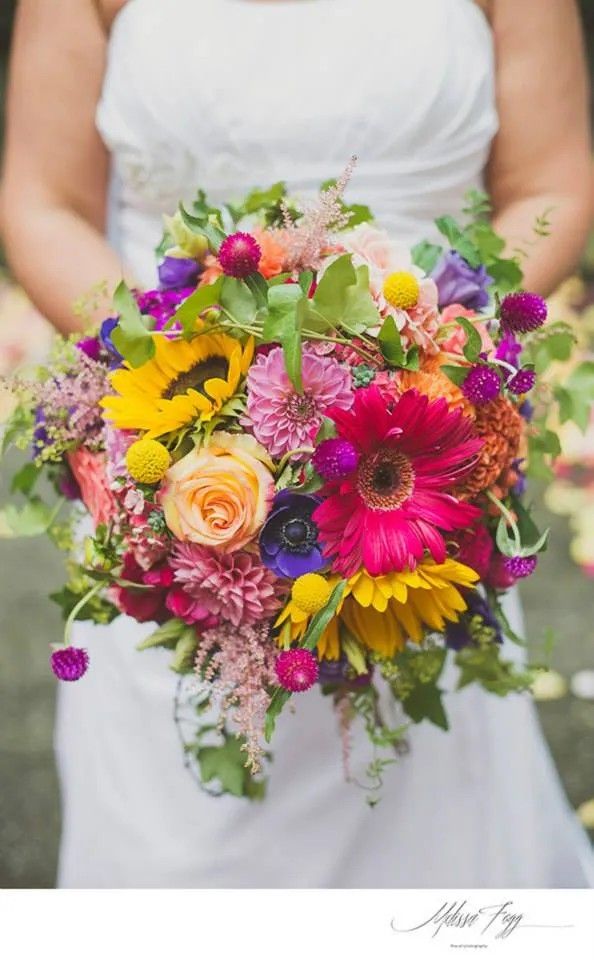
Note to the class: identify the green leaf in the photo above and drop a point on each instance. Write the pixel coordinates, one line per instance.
(474, 345)
(343, 297)
(507, 275)
(131, 337)
(321, 620)
(390, 343)
(287, 310)
(185, 651)
(189, 311)
(165, 636)
(259, 289)
(556, 345)
(25, 479)
(425, 256)
(576, 396)
(489, 244)
(456, 374)
(261, 199)
(226, 764)
(458, 240)
(237, 298)
(424, 702)
(31, 520)
(205, 226)
(306, 280)
(486, 667)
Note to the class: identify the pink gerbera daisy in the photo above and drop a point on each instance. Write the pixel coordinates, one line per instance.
(395, 504)
(283, 419)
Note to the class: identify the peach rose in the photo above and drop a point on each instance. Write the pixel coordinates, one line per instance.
(89, 470)
(219, 494)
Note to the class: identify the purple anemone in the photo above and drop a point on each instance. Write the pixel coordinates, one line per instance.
(289, 544)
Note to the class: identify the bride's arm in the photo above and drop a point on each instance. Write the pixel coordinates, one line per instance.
(56, 168)
(541, 159)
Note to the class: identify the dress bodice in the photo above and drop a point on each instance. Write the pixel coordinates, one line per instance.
(232, 94)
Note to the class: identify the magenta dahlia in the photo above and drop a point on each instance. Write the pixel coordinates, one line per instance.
(396, 504)
(236, 587)
(283, 419)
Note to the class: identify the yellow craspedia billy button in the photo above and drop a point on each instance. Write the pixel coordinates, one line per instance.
(311, 592)
(402, 290)
(147, 461)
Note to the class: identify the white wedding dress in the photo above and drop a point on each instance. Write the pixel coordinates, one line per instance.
(229, 94)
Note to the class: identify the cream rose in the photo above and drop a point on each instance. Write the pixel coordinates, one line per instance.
(219, 494)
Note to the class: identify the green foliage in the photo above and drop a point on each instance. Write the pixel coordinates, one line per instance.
(287, 309)
(576, 396)
(131, 337)
(31, 520)
(552, 344)
(414, 678)
(191, 308)
(205, 222)
(343, 298)
(224, 765)
(393, 352)
(425, 255)
(97, 610)
(484, 665)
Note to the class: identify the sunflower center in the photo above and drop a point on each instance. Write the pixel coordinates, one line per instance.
(299, 535)
(196, 377)
(385, 480)
(300, 407)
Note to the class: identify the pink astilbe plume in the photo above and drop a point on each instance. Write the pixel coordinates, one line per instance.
(68, 411)
(239, 662)
(309, 238)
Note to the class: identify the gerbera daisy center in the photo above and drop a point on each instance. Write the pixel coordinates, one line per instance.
(385, 479)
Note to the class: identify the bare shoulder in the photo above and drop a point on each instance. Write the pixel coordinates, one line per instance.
(108, 10)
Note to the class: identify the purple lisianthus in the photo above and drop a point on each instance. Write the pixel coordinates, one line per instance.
(68, 485)
(458, 282)
(289, 543)
(175, 272)
(477, 617)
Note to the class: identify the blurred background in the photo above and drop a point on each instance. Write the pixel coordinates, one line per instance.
(558, 599)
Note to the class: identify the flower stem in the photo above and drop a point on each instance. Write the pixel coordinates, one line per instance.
(77, 608)
(292, 453)
(508, 517)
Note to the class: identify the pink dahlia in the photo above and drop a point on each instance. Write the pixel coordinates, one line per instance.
(283, 419)
(235, 587)
(396, 504)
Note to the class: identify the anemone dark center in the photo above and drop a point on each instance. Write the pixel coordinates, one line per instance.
(300, 407)
(196, 377)
(385, 480)
(299, 535)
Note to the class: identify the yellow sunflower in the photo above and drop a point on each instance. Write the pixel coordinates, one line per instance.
(384, 612)
(187, 380)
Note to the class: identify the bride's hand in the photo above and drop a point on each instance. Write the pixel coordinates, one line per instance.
(56, 168)
(541, 160)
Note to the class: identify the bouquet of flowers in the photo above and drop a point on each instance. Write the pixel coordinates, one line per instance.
(304, 456)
